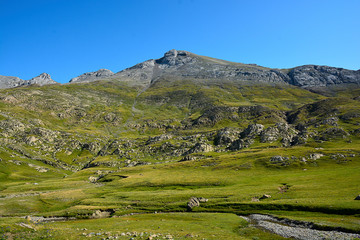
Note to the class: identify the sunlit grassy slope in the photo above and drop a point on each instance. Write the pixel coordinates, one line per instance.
(106, 130)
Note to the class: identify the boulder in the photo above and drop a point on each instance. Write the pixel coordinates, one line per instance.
(240, 144)
(333, 133)
(270, 134)
(265, 196)
(188, 158)
(357, 198)
(200, 147)
(226, 136)
(195, 202)
(316, 156)
(102, 214)
(252, 130)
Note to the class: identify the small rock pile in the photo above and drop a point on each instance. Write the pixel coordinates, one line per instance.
(195, 202)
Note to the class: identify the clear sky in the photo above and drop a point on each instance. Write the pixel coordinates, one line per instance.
(66, 38)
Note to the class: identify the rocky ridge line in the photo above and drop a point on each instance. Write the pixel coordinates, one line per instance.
(12, 82)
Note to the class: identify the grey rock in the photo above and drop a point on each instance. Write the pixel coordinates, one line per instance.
(200, 147)
(240, 144)
(188, 158)
(215, 114)
(93, 76)
(332, 121)
(252, 130)
(10, 82)
(179, 64)
(158, 138)
(41, 80)
(308, 76)
(316, 156)
(333, 133)
(195, 202)
(226, 136)
(265, 196)
(270, 134)
(278, 159)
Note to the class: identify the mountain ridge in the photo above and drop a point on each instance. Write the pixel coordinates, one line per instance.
(181, 64)
(12, 82)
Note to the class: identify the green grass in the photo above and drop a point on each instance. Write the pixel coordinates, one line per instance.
(83, 119)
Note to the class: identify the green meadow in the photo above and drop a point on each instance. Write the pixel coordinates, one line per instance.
(56, 139)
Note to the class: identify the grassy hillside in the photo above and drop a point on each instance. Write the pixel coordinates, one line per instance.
(92, 151)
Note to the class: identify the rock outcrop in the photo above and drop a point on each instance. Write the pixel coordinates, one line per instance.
(11, 82)
(93, 76)
(41, 80)
(195, 202)
(308, 76)
(179, 65)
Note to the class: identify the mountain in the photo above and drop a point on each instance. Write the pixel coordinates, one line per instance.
(41, 80)
(178, 64)
(185, 139)
(11, 82)
(93, 76)
(186, 65)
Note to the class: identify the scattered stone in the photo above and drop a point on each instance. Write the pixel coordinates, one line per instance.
(102, 214)
(93, 179)
(226, 136)
(265, 196)
(270, 134)
(25, 225)
(278, 159)
(252, 130)
(200, 147)
(195, 202)
(240, 144)
(315, 156)
(188, 158)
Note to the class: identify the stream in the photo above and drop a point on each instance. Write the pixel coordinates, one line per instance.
(296, 229)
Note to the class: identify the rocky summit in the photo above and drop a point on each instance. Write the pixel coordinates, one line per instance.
(11, 82)
(178, 147)
(178, 64)
(93, 76)
(186, 65)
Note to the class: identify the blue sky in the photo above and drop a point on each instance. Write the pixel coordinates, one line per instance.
(67, 38)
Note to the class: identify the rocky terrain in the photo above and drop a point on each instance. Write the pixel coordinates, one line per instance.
(186, 134)
(177, 64)
(12, 82)
(93, 76)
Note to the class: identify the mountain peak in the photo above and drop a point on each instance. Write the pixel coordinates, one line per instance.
(93, 76)
(42, 79)
(176, 57)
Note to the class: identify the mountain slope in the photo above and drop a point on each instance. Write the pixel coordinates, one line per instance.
(185, 65)
(149, 138)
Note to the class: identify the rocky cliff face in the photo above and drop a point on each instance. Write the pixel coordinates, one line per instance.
(41, 80)
(321, 76)
(10, 82)
(93, 76)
